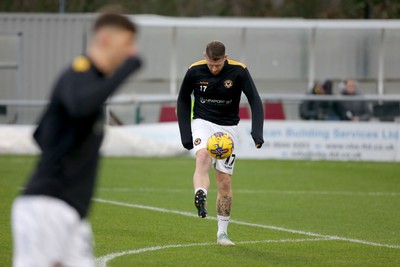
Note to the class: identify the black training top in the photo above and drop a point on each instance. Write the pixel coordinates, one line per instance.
(70, 133)
(217, 98)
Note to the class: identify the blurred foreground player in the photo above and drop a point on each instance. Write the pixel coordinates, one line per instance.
(217, 83)
(48, 220)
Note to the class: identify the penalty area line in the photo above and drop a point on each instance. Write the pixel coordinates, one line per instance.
(270, 227)
(102, 261)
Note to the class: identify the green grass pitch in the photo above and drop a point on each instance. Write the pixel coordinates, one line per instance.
(303, 213)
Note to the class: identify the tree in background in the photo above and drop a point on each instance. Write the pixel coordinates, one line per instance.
(313, 9)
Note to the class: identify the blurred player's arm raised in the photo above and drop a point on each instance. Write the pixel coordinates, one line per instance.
(184, 106)
(257, 117)
(82, 98)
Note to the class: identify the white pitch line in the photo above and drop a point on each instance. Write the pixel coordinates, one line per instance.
(102, 261)
(270, 227)
(143, 189)
(248, 191)
(343, 193)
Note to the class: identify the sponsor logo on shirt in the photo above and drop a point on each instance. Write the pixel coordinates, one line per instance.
(215, 102)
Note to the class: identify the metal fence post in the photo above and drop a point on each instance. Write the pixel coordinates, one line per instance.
(381, 63)
(311, 57)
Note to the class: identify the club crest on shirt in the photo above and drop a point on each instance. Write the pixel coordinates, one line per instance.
(197, 141)
(228, 84)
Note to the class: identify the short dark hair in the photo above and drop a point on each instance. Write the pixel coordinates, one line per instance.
(215, 50)
(114, 20)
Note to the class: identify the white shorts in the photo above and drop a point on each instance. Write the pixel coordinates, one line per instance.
(47, 231)
(202, 130)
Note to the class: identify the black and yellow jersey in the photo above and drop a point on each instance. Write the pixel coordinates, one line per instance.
(70, 132)
(217, 98)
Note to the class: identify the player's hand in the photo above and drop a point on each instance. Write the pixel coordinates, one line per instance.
(258, 141)
(188, 145)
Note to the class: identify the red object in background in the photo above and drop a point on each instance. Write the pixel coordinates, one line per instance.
(274, 111)
(244, 112)
(167, 114)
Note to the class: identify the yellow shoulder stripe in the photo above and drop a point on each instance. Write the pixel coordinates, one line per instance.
(81, 64)
(201, 62)
(234, 62)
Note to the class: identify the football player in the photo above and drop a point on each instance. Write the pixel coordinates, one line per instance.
(48, 219)
(217, 84)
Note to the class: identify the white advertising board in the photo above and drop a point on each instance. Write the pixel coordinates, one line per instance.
(345, 141)
(364, 141)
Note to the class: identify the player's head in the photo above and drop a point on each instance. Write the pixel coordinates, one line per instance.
(215, 56)
(113, 40)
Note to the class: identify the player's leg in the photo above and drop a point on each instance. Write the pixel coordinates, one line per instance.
(25, 250)
(201, 130)
(40, 230)
(224, 197)
(201, 177)
(201, 181)
(223, 173)
(224, 205)
(79, 252)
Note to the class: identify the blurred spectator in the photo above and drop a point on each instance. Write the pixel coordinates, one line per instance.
(353, 110)
(319, 110)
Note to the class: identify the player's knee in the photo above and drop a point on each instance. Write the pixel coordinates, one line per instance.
(202, 158)
(225, 187)
(224, 184)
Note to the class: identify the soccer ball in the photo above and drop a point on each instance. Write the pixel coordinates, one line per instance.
(220, 145)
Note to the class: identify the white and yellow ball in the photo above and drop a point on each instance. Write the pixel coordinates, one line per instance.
(220, 145)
